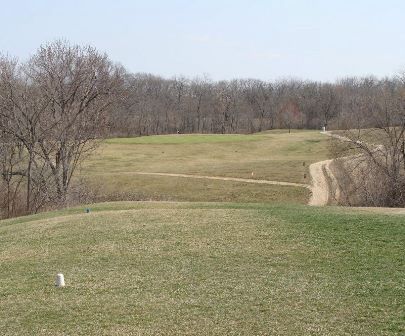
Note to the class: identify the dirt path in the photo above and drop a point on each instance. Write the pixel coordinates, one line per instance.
(321, 176)
(320, 186)
(236, 179)
(324, 184)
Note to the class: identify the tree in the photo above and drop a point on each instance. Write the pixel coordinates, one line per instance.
(56, 106)
(81, 85)
(11, 157)
(378, 171)
(21, 109)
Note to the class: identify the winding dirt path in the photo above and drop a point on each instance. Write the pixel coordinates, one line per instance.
(321, 176)
(320, 186)
(319, 171)
(322, 179)
(236, 179)
(324, 185)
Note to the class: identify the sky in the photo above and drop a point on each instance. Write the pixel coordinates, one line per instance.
(320, 40)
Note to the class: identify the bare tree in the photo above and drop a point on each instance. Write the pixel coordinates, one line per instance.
(11, 160)
(56, 106)
(378, 172)
(21, 109)
(81, 86)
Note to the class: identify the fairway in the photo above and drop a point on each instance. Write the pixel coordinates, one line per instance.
(273, 155)
(202, 269)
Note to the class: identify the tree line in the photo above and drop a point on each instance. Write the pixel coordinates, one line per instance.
(55, 107)
(155, 105)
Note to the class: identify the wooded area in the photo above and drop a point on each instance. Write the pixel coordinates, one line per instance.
(154, 105)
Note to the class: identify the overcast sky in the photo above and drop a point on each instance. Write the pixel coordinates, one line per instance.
(308, 39)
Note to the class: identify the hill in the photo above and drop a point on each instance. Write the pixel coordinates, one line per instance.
(158, 268)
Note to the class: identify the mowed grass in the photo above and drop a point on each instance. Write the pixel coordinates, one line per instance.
(274, 155)
(202, 269)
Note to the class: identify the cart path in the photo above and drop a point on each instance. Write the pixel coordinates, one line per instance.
(320, 173)
(323, 179)
(324, 185)
(236, 179)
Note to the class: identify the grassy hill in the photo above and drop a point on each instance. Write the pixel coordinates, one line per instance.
(274, 155)
(202, 269)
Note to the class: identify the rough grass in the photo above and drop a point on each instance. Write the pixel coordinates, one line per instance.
(202, 269)
(185, 139)
(161, 188)
(274, 155)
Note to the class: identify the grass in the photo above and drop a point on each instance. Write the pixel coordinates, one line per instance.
(202, 269)
(161, 188)
(273, 155)
(185, 139)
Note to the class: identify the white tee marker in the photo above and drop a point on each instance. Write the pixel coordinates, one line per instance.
(60, 280)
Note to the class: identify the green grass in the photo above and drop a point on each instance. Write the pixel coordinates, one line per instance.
(273, 155)
(202, 269)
